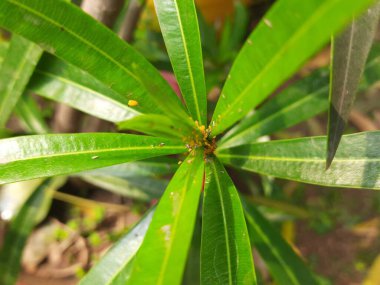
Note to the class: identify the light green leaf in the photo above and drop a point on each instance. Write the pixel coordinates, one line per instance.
(30, 214)
(164, 249)
(179, 27)
(57, 26)
(147, 189)
(29, 157)
(157, 125)
(302, 100)
(283, 263)
(65, 83)
(30, 115)
(118, 258)
(226, 255)
(349, 54)
(357, 162)
(17, 68)
(288, 35)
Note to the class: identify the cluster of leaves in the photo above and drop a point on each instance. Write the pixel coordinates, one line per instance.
(91, 69)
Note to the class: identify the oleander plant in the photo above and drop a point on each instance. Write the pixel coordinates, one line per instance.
(59, 52)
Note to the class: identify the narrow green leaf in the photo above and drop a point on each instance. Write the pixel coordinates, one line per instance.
(179, 26)
(349, 54)
(17, 68)
(155, 167)
(30, 115)
(30, 214)
(29, 157)
(57, 26)
(3, 51)
(117, 259)
(289, 34)
(164, 249)
(157, 125)
(65, 83)
(357, 162)
(226, 255)
(148, 189)
(302, 100)
(283, 263)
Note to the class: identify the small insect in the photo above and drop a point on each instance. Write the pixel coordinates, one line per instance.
(161, 144)
(95, 157)
(132, 103)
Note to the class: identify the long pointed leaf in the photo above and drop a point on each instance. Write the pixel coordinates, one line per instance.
(57, 26)
(21, 226)
(179, 26)
(289, 34)
(226, 255)
(350, 51)
(117, 259)
(15, 71)
(302, 100)
(164, 249)
(283, 263)
(66, 83)
(24, 158)
(357, 162)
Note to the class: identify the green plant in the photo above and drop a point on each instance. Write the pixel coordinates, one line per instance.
(89, 68)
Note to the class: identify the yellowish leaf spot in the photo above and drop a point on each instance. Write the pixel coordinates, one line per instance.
(132, 103)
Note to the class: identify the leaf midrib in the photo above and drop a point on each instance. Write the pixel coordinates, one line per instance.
(89, 152)
(224, 222)
(294, 159)
(314, 18)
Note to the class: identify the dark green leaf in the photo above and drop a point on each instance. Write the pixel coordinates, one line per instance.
(289, 34)
(57, 26)
(162, 256)
(24, 158)
(30, 214)
(357, 162)
(349, 54)
(17, 68)
(30, 115)
(65, 83)
(117, 259)
(226, 255)
(283, 263)
(179, 26)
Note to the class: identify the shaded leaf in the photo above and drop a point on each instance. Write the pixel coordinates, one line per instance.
(283, 263)
(30, 115)
(16, 69)
(165, 247)
(179, 27)
(157, 125)
(147, 189)
(289, 34)
(117, 259)
(158, 166)
(357, 162)
(57, 26)
(30, 214)
(29, 157)
(226, 256)
(349, 54)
